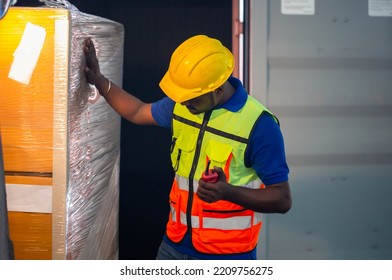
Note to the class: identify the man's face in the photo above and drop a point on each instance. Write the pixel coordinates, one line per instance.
(201, 104)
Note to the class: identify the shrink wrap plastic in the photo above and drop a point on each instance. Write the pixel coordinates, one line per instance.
(57, 131)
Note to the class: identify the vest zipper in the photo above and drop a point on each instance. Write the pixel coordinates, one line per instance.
(199, 142)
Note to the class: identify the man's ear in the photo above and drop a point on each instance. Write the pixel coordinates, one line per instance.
(219, 91)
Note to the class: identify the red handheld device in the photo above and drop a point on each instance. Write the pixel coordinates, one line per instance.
(209, 175)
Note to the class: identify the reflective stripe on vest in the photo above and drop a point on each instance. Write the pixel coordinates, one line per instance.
(183, 184)
(236, 223)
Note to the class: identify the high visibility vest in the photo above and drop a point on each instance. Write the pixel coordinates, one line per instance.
(220, 136)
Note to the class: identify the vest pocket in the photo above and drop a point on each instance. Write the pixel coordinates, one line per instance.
(223, 222)
(182, 152)
(218, 153)
(174, 228)
(225, 236)
(175, 210)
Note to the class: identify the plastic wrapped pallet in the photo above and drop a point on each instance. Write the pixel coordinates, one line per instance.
(61, 140)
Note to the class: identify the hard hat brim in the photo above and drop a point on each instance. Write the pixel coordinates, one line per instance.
(179, 94)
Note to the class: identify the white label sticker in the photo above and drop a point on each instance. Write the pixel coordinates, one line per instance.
(29, 198)
(298, 7)
(27, 53)
(380, 8)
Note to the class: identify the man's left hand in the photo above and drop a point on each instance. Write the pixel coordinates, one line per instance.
(212, 192)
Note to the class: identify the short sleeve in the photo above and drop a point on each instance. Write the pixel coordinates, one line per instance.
(266, 152)
(162, 111)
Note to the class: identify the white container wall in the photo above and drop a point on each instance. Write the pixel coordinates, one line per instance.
(324, 68)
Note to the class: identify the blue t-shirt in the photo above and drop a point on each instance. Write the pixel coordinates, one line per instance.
(265, 153)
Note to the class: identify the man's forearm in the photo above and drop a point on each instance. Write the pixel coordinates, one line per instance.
(272, 199)
(125, 104)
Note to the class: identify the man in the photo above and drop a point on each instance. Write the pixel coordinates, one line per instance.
(214, 123)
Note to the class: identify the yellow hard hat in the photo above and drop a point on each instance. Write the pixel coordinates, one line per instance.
(199, 65)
